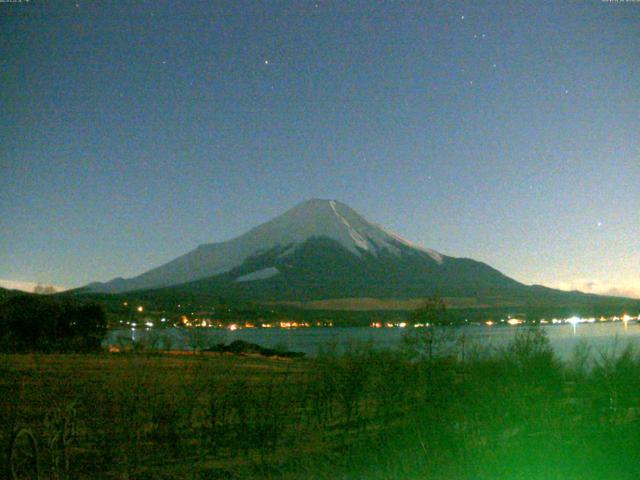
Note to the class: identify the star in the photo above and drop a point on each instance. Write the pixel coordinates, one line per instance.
(266, 62)
(494, 65)
(461, 17)
(599, 224)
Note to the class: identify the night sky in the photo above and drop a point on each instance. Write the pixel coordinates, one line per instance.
(508, 132)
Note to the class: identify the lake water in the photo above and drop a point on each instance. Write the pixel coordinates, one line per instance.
(602, 337)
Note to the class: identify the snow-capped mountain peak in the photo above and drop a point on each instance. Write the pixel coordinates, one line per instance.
(312, 219)
(330, 219)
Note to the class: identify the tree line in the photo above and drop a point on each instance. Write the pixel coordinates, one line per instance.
(37, 323)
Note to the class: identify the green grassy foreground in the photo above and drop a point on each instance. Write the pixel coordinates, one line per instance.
(513, 414)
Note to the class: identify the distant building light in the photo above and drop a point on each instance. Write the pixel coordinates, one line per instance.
(574, 320)
(140, 308)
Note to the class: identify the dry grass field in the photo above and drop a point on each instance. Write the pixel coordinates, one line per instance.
(515, 414)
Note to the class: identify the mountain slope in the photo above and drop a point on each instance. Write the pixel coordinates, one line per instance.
(321, 268)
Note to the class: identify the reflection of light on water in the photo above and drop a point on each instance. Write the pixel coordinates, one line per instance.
(574, 321)
(133, 334)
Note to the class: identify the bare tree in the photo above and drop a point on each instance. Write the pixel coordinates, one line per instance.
(432, 336)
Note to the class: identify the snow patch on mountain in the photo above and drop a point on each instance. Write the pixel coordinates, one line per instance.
(261, 274)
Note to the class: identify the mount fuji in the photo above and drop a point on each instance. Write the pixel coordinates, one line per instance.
(324, 250)
(315, 242)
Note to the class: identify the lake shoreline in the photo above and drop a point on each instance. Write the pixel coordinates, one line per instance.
(314, 341)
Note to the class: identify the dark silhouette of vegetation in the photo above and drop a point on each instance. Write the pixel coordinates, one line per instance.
(36, 323)
(432, 313)
(430, 334)
(243, 347)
